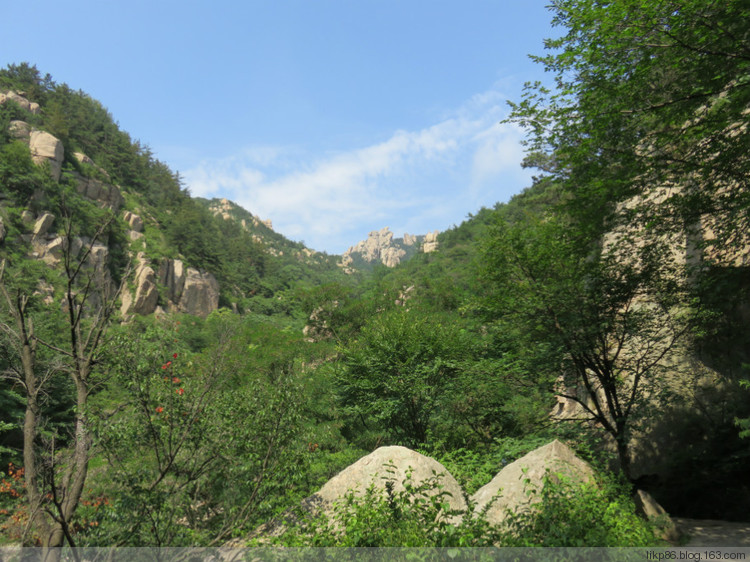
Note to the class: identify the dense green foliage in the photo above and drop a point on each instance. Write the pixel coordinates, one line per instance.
(596, 286)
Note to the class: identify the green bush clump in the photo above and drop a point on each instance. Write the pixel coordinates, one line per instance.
(579, 515)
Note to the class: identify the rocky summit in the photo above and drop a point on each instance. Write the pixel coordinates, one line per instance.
(381, 247)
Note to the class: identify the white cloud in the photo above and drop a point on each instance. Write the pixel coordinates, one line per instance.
(411, 179)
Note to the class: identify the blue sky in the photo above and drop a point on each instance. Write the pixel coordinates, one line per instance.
(332, 118)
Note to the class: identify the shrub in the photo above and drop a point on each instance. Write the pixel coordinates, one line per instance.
(579, 515)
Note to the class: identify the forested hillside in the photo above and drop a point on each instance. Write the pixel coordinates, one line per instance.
(174, 372)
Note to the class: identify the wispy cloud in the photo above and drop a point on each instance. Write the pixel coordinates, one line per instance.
(421, 180)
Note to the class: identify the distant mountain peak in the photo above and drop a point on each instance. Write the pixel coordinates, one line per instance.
(381, 247)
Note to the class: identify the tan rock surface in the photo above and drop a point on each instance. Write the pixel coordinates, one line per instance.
(43, 224)
(652, 511)
(430, 243)
(200, 294)
(22, 102)
(96, 190)
(172, 276)
(20, 130)
(507, 490)
(382, 465)
(47, 148)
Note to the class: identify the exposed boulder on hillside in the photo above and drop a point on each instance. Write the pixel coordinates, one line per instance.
(508, 489)
(22, 102)
(317, 328)
(134, 221)
(47, 148)
(200, 294)
(146, 291)
(20, 130)
(52, 251)
(42, 225)
(389, 464)
(386, 464)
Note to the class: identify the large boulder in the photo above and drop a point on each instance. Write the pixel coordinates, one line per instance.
(20, 130)
(200, 293)
(507, 491)
(22, 102)
(389, 464)
(50, 251)
(47, 148)
(385, 464)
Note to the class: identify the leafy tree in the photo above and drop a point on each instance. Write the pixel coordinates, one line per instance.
(396, 374)
(647, 94)
(200, 447)
(26, 78)
(584, 321)
(19, 177)
(55, 482)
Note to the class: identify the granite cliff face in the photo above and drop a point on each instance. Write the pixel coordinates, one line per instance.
(193, 292)
(382, 247)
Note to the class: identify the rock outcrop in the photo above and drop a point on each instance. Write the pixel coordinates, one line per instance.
(381, 247)
(83, 159)
(20, 130)
(189, 291)
(104, 193)
(134, 221)
(42, 225)
(172, 277)
(507, 491)
(22, 102)
(47, 148)
(200, 293)
(224, 209)
(430, 243)
(146, 291)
